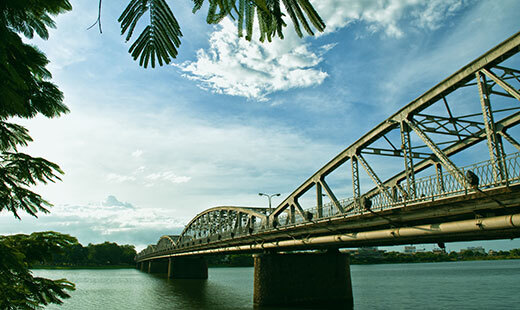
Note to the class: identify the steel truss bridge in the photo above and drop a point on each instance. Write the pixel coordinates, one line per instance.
(411, 179)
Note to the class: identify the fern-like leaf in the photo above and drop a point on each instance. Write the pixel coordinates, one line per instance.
(160, 39)
(158, 42)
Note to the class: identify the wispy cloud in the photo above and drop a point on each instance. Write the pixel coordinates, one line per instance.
(98, 222)
(137, 153)
(168, 176)
(236, 67)
(253, 70)
(117, 178)
(390, 17)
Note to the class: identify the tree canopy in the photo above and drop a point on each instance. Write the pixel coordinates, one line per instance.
(25, 91)
(160, 38)
(19, 289)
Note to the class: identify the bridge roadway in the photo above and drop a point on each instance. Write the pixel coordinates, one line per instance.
(433, 192)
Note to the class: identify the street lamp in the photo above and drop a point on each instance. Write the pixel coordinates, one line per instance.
(268, 197)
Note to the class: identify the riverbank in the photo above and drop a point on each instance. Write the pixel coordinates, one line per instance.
(81, 267)
(370, 257)
(401, 258)
(359, 257)
(462, 285)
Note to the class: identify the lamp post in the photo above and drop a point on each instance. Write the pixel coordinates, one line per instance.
(268, 197)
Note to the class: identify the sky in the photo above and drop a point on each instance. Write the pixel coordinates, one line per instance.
(145, 150)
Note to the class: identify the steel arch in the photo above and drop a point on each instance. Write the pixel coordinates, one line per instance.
(222, 222)
(477, 105)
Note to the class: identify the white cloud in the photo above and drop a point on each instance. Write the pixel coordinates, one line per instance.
(137, 153)
(148, 180)
(253, 70)
(117, 178)
(95, 223)
(111, 201)
(236, 67)
(435, 11)
(386, 16)
(168, 176)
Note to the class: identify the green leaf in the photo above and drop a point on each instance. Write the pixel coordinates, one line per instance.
(159, 40)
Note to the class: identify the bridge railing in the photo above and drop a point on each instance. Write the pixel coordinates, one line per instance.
(426, 189)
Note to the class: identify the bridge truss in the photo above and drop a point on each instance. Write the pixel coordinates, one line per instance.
(470, 116)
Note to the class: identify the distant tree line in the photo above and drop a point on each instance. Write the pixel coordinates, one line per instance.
(232, 260)
(380, 257)
(93, 255)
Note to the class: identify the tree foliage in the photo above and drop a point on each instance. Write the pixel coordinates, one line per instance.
(160, 38)
(94, 255)
(19, 289)
(25, 91)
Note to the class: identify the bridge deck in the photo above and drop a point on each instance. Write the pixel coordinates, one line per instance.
(452, 203)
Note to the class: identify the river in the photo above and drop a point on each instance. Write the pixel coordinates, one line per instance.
(452, 285)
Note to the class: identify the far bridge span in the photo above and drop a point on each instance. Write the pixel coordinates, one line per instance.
(445, 167)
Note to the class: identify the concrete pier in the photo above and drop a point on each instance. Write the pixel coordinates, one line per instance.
(303, 279)
(158, 266)
(187, 268)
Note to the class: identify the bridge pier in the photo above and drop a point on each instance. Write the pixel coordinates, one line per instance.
(158, 266)
(187, 268)
(303, 279)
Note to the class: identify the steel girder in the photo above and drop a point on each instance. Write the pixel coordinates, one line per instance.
(464, 128)
(486, 77)
(214, 223)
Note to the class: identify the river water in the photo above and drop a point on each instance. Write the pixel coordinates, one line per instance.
(453, 285)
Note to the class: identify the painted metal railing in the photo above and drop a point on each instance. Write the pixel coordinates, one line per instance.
(428, 189)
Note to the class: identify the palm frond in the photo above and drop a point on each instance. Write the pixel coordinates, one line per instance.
(159, 40)
(197, 5)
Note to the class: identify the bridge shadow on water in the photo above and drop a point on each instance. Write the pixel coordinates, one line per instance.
(222, 291)
(325, 307)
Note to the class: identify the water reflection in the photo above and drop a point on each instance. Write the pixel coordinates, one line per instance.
(487, 284)
(220, 291)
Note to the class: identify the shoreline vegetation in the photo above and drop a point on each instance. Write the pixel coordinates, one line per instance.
(105, 255)
(357, 257)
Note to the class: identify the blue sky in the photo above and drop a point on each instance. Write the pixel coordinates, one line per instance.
(145, 150)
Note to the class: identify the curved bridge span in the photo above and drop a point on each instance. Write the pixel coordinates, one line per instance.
(432, 144)
(445, 167)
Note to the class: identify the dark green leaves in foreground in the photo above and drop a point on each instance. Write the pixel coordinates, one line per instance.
(25, 91)
(160, 39)
(18, 288)
(19, 171)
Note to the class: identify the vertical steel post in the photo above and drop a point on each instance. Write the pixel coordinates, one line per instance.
(408, 159)
(239, 222)
(229, 220)
(355, 181)
(219, 221)
(382, 187)
(494, 141)
(319, 200)
(440, 178)
(448, 164)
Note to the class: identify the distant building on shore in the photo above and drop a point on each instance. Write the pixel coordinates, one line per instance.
(409, 249)
(476, 249)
